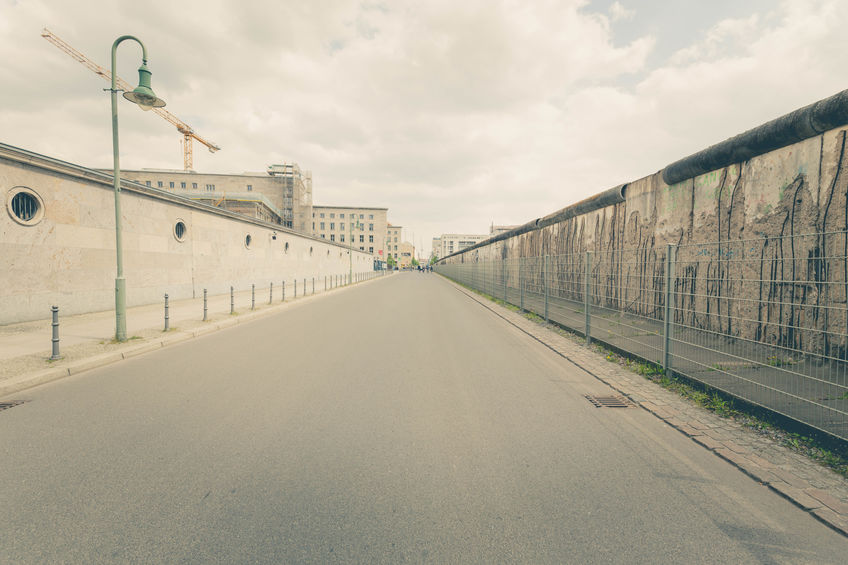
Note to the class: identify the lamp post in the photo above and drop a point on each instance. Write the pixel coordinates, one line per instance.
(143, 96)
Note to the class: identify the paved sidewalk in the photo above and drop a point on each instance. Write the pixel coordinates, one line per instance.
(86, 340)
(812, 487)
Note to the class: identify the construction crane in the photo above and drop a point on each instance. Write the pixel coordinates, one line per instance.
(182, 127)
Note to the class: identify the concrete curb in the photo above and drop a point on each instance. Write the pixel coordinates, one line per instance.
(820, 504)
(27, 381)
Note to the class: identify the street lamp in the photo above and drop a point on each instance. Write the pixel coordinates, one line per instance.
(143, 96)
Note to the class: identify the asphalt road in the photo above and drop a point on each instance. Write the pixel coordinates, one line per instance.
(396, 421)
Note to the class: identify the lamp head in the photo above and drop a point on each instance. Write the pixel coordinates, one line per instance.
(143, 95)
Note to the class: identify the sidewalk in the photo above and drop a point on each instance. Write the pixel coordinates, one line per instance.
(810, 486)
(86, 340)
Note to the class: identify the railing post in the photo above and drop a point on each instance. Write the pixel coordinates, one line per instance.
(252, 296)
(587, 288)
(232, 301)
(55, 354)
(667, 310)
(545, 283)
(166, 313)
(204, 305)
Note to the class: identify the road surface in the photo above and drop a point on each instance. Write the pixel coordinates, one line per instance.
(391, 422)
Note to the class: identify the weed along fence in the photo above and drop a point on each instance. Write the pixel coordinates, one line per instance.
(760, 319)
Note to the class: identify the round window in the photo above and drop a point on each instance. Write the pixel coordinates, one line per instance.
(247, 240)
(180, 230)
(25, 206)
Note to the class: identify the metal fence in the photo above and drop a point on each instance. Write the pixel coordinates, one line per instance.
(763, 319)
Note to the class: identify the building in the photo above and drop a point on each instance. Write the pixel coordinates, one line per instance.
(436, 248)
(497, 230)
(394, 239)
(450, 243)
(282, 195)
(367, 227)
(405, 255)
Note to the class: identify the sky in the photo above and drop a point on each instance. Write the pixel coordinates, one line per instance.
(453, 115)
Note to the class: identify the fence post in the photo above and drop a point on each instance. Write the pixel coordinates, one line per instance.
(204, 305)
(252, 296)
(520, 285)
(503, 273)
(166, 313)
(667, 311)
(545, 282)
(55, 354)
(587, 287)
(232, 301)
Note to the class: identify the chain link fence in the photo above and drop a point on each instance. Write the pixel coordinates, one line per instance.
(762, 319)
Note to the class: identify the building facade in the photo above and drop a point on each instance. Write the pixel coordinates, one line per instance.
(450, 243)
(362, 228)
(405, 255)
(282, 195)
(394, 239)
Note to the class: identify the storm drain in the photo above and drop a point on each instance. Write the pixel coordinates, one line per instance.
(4, 405)
(609, 401)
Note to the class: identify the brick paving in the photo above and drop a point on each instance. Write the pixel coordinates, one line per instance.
(812, 487)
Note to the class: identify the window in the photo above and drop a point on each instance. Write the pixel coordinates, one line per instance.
(362, 216)
(322, 214)
(361, 227)
(341, 226)
(159, 184)
(370, 227)
(342, 238)
(322, 223)
(249, 187)
(210, 187)
(25, 206)
(247, 241)
(332, 224)
(332, 237)
(313, 226)
(323, 236)
(395, 239)
(182, 185)
(147, 182)
(332, 215)
(361, 248)
(370, 216)
(313, 214)
(361, 239)
(180, 230)
(171, 184)
(370, 239)
(194, 185)
(370, 250)
(341, 216)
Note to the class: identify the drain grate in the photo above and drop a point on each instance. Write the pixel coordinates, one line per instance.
(609, 401)
(13, 403)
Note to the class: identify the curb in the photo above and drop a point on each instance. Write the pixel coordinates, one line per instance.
(822, 506)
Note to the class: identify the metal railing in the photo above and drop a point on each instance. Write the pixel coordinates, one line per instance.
(762, 319)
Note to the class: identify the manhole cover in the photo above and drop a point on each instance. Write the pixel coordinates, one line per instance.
(4, 405)
(609, 401)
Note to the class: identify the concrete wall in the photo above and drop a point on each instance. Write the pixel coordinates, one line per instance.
(68, 257)
(743, 259)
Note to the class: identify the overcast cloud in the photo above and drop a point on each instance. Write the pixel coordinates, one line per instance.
(452, 114)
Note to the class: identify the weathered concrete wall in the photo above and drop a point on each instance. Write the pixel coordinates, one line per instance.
(68, 257)
(743, 266)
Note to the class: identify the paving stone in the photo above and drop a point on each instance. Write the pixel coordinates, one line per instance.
(796, 495)
(825, 498)
(832, 519)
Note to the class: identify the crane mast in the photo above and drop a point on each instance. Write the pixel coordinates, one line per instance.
(189, 135)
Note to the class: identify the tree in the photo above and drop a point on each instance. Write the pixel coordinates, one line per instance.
(390, 261)
(414, 262)
(433, 259)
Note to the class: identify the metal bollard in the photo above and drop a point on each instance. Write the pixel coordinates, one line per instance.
(204, 305)
(271, 294)
(232, 302)
(167, 320)
(55, 354)
(252, 296)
